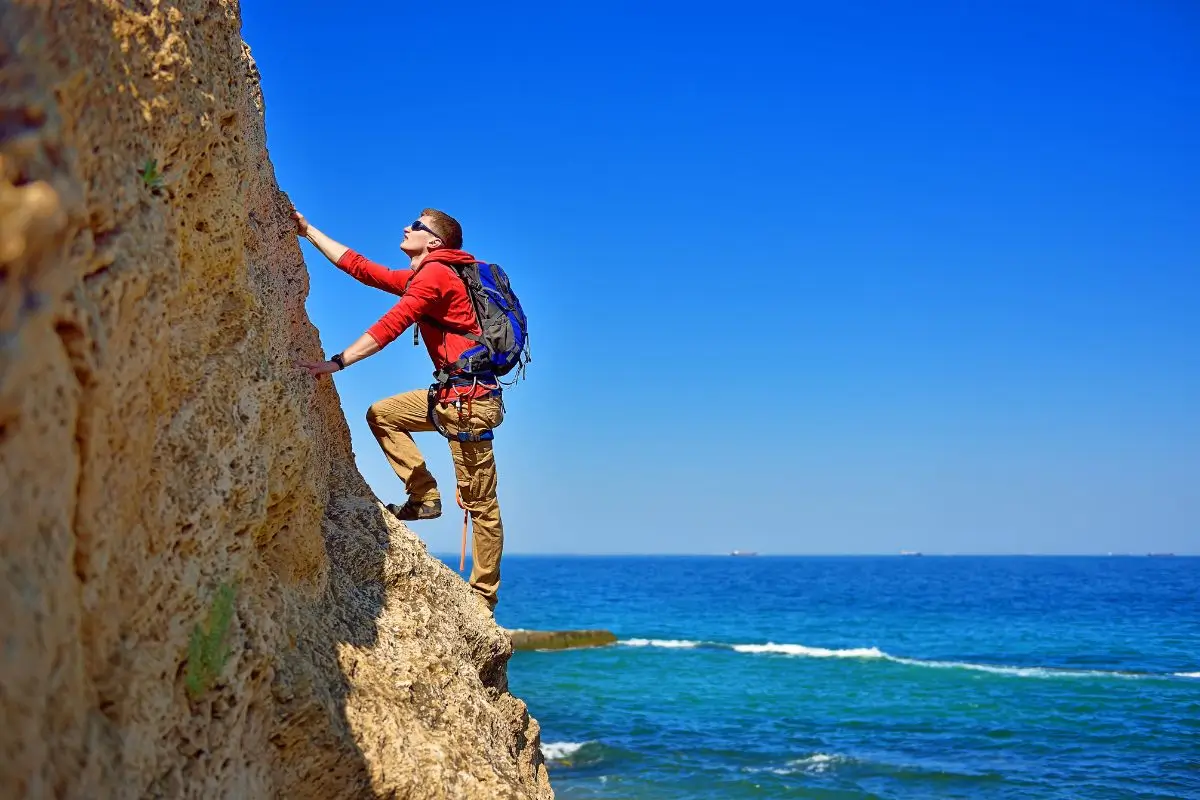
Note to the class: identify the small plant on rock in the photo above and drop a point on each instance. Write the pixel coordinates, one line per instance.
(151, 177)
(208, 651)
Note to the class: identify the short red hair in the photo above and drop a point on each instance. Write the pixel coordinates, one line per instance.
(446, 226)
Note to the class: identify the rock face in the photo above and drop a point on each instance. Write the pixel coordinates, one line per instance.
(201, 597)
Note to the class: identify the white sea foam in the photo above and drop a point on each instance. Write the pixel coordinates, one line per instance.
(559, 750)
(814, 760)
(805, 651)
(1024, 672)
(659, 643)
(811, 652)
(1187, 674)
(998, 669)
(817, 762)
(874, 652)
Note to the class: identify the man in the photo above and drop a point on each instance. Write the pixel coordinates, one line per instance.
(434, 297)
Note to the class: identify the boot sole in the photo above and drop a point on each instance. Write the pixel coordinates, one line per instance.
(393, 508)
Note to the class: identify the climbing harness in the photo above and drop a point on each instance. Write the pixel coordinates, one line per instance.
(465, 432)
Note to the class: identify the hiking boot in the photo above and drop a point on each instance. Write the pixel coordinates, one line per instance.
(416, 509)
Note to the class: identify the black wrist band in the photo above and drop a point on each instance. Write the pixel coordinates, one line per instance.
(337, 359)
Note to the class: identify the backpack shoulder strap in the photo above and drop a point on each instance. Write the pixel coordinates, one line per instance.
(442, 326)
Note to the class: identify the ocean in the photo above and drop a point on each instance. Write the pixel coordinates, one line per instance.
(863, 677)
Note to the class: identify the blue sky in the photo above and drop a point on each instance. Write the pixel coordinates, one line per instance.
(801, 278)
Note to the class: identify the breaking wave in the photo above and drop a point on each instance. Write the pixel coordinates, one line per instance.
(553, 751)
(810, 652)
(659, 643)
(874, 653)
(815, 764)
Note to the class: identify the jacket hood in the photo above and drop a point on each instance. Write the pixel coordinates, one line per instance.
(446, 255)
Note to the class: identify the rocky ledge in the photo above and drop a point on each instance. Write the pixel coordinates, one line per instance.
(559, 640)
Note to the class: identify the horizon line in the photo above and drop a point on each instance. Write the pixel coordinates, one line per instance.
(915, 554)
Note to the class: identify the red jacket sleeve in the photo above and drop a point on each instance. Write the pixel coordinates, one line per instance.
(426, 289)
(375, 275)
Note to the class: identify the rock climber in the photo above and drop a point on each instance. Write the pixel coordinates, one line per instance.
(435, 298)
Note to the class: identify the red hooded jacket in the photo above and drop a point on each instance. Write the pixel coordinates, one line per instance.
(436, 292)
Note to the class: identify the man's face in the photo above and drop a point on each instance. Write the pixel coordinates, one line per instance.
(419, 236)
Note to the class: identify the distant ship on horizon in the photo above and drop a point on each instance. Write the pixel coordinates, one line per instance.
(743, 553)
(910, 553)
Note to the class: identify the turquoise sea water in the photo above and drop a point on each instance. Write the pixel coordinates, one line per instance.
(864, 677)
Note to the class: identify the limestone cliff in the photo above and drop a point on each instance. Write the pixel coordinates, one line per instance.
(200, 596)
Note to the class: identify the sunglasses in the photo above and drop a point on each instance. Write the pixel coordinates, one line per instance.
(417, 225)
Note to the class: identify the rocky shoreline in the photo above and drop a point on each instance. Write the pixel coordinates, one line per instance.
(559, 640)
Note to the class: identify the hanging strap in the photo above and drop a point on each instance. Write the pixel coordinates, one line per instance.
(462, 556)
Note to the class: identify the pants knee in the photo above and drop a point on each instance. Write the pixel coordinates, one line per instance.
(373, 416)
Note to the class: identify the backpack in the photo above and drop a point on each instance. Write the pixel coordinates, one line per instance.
(504, 345)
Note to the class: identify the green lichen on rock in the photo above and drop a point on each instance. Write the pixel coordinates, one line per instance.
(207, 650)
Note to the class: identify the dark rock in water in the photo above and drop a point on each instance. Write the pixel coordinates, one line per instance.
(559, 640)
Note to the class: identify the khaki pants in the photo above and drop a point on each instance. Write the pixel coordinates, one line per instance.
(394, 419)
